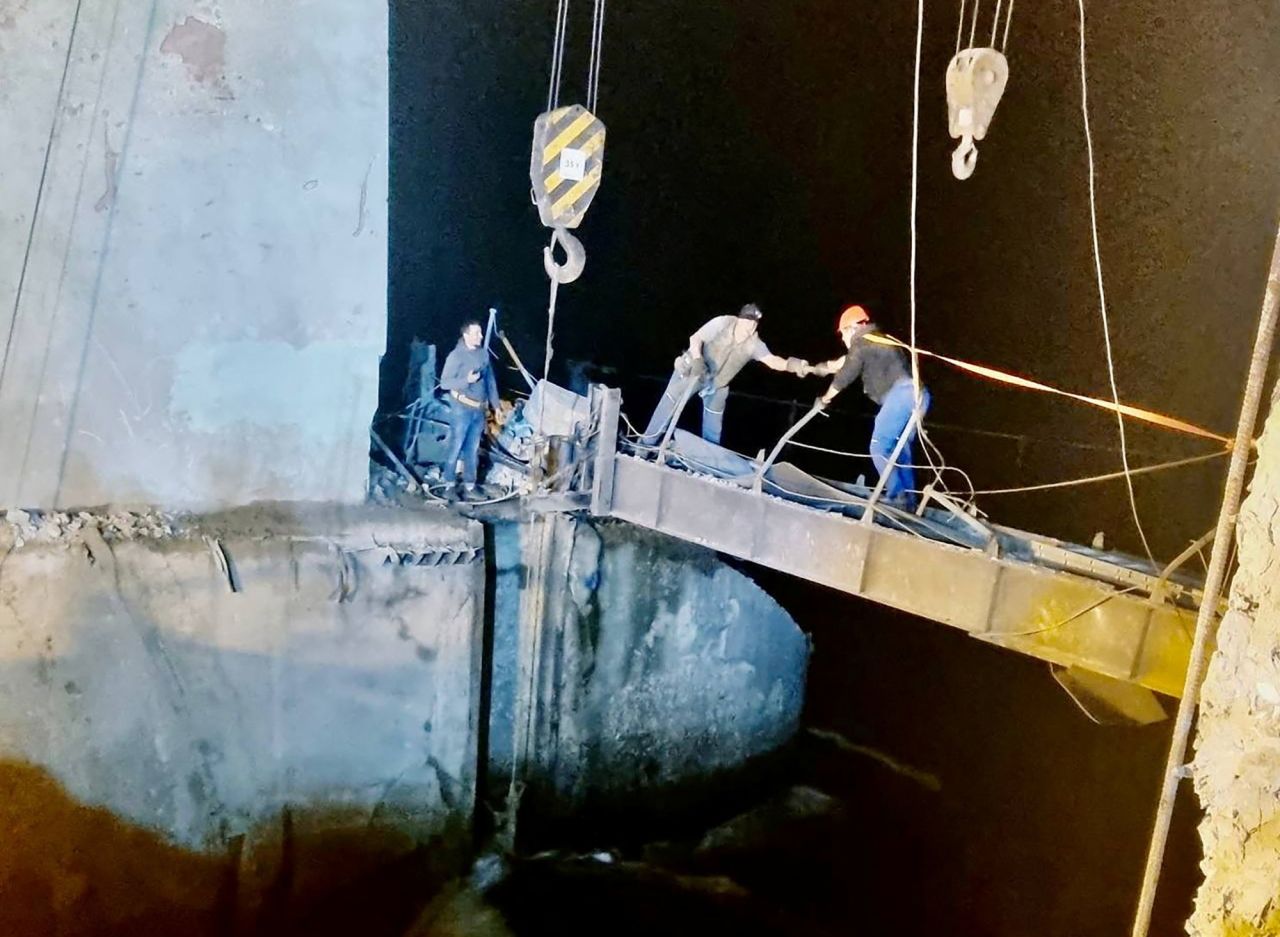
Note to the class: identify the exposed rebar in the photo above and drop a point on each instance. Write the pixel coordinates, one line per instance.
(1218, 561)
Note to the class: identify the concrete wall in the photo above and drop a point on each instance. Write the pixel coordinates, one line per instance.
(631, 668)
(192, 249)
(340, 678)
(1237, 747)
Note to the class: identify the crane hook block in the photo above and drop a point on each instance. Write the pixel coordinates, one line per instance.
(975, 82)
(574, 253)
(567, 161)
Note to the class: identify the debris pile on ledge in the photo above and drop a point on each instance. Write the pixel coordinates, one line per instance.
(19, 527)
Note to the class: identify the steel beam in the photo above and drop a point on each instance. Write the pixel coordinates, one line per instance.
(1051, 614)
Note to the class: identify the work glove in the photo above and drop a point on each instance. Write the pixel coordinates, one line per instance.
(819, 404)
(799, 367)
(688, 366)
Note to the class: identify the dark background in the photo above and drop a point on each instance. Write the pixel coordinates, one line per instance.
(760, 150)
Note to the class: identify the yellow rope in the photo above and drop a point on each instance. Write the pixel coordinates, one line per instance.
(1137, 413)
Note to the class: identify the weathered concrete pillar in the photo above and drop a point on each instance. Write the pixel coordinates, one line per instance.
(1237, 760)
(192, 250)
(632, 672)
(316, 658)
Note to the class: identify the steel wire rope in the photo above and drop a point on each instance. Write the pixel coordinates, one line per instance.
(20, 291)
(597, 53)
(994, 637)
(914, 423)
(1102, 295)
(1110, 476)
(557, 55)
(866, 455)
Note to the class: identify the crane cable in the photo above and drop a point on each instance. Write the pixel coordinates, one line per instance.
(597, 48)
(576, 257)
(1102, 295)
(557, 55)
(917, 409)
(995, 25)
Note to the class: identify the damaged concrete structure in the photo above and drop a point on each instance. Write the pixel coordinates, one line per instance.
(199, 676)
(192, 250)
(628, 664)
(194, 254)
(1237, 750)
(200, 682)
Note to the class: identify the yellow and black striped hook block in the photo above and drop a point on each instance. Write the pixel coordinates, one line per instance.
(567, 162)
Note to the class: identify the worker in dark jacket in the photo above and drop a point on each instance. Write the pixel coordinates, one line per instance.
(468, 378)
(886, 379)
(717, 352)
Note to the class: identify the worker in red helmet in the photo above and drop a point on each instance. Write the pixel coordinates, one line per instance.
(886, 379)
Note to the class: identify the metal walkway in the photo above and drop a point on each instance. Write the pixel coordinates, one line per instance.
(1103, 613)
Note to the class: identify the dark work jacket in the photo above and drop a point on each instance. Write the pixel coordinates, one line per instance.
(460, 363)
(881, 366)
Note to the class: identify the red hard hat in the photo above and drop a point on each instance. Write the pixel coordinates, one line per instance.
(853, 315)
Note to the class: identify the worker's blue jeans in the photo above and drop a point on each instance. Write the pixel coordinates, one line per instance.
(891, 423)
(680, 389)
(466, 425)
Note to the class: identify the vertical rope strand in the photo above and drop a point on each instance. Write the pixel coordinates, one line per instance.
(591, 62)
(1102, 293)
(557, 55)
(597, 55)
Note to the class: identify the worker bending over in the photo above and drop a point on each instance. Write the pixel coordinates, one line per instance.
(472, 387)
(716, 353)
(886, 379)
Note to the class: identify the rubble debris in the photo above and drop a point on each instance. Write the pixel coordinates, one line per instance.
(411, 481)
(385, 485)
(20, 527)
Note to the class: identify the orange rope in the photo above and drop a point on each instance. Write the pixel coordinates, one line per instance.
(1138, 413)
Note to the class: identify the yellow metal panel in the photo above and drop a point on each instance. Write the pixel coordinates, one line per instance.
(590, 180)
(590, 148)
(567, 136)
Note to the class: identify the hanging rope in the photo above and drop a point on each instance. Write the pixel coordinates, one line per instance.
(917, 414)
(558, 273)
(557, 55)
(1138, 413)
(1110, 476)
(597, 49)
(995, 25)
(1102, 295)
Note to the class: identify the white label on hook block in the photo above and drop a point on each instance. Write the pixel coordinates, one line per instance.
(573, 164)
